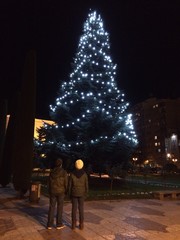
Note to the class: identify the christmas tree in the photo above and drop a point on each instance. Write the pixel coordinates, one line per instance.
(91, 116)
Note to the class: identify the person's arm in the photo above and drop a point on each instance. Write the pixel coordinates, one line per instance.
(66, 183)
(86, 184)
(48, 183)
(69, 185)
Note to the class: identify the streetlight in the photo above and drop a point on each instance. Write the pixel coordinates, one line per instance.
(174, 160)
(134, 161)
(168, 156)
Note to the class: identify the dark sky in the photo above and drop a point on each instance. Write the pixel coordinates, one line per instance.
(144, 37)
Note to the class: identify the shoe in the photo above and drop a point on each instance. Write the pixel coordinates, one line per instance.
(81, 226)
(60, 227)
(49, 228)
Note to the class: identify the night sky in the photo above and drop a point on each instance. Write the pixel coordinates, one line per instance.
(144, 38)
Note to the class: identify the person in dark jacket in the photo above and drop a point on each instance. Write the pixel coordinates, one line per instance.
(58, 183)
(78, 190)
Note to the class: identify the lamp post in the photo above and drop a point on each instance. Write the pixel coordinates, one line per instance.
(134, 163)
(174, 160)
(134, 159)
(168, 156)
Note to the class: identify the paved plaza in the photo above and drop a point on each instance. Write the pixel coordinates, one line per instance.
(104, 220)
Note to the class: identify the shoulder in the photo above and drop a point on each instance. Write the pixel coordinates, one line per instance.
(64, 170)
(85, 174)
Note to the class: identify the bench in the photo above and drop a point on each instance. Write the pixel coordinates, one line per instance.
(173, 194)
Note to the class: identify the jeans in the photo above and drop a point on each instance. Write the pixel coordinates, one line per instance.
(59, 199)
(78, 202)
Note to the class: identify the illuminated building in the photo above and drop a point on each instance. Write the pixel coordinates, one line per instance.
(37, 124)
(157, 124)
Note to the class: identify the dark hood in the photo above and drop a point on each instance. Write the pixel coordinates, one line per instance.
(56, 172)
(78, 172)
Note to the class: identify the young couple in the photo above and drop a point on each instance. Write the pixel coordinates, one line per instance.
(76, 186)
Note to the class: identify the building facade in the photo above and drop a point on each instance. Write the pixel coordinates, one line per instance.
(38, 123)
(157, 124)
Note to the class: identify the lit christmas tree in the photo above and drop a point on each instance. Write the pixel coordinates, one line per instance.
(90, 113)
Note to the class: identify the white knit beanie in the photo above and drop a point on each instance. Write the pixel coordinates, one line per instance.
(79, 164)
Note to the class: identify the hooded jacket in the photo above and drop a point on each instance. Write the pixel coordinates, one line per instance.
(78, 183)
(58, 181)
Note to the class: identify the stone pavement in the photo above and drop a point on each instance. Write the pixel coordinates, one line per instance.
(104, 220)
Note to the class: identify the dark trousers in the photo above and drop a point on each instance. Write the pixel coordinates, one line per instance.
(78, 203)
(53, 200)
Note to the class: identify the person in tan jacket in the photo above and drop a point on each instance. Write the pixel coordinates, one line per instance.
(78, 190)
